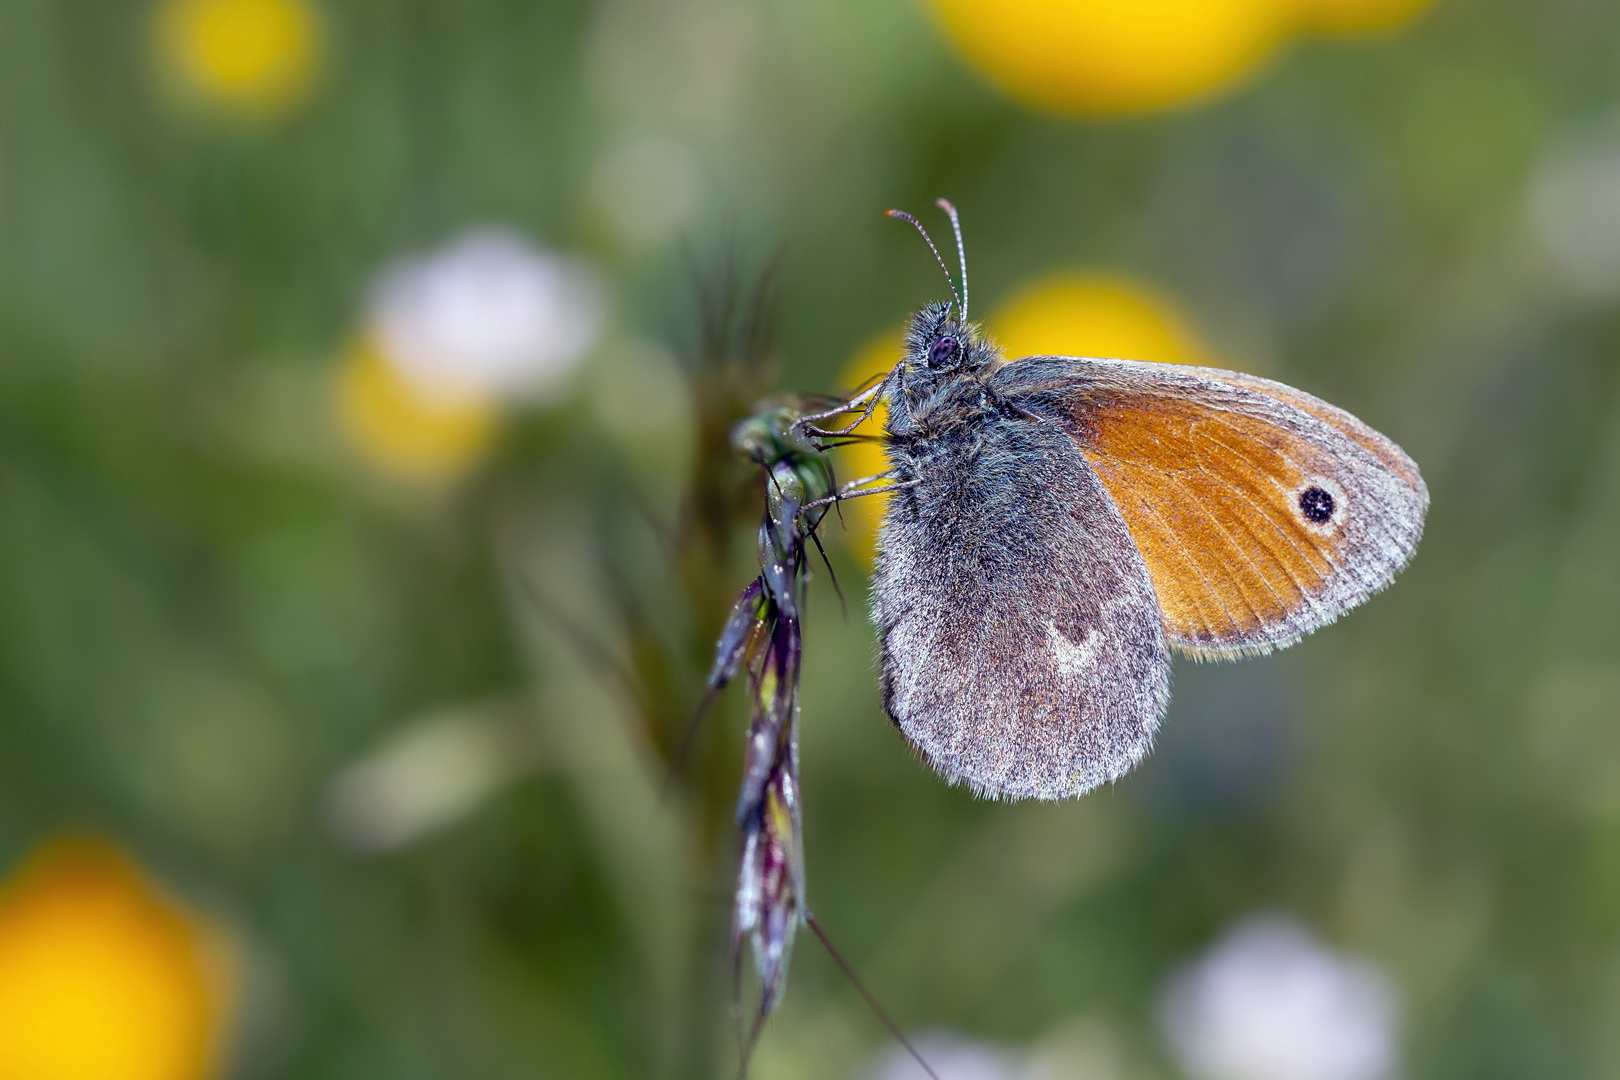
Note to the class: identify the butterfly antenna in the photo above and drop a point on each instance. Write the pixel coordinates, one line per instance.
(946, 270)
(961, 252)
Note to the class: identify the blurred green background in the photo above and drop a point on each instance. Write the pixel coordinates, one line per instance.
(381, 688)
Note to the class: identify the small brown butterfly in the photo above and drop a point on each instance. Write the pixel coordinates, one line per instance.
(1058, 524)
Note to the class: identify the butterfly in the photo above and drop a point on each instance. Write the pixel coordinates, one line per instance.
(1058, 525)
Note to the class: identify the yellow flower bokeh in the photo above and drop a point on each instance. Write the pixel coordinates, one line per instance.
(102, 976)
(861, 516)
(1069, 313)
(1081, 314)
(400, 428)
(253, 56)
(1110, 57)
(1121, 57)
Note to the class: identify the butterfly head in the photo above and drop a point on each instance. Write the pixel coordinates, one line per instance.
(939, 342)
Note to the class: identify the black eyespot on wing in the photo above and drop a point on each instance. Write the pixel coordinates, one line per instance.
(942, 351)
(1317, 505)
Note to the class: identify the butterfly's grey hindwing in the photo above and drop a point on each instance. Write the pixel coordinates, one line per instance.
(1022, 649)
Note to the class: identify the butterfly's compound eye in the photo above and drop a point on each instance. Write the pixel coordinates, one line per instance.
(943, 351)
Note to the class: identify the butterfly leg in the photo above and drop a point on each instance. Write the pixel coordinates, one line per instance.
(869, 398)
(856, 488)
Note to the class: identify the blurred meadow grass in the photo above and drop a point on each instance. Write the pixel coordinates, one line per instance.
(393, 738)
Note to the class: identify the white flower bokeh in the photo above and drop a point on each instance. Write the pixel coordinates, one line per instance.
(1270, 1002)
(488, 315)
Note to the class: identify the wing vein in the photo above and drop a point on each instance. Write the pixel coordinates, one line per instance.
(1209, 588)
(1259, 619)
(1268, 515)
